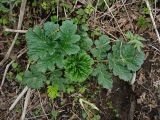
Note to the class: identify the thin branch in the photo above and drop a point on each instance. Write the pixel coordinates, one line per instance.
(123, 3)
(65, 13)
(42, 106)
(5, 73)
(74, 6)
(9, 64)
(18, 98)
(43, 21)
(152, 18)
(16, 31)
(155, 48)
(114, 18)
(57, 10)
(36, 117)
(22, 9)
(21, 94)
(155, 7)
(27, 98)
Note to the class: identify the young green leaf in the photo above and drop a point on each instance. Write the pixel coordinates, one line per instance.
(57, 80)
(135, 40)
(78, 67)
(85, 42)
(52, 91)
(51, 30)
(33, 78)
(19, 76)
(104, 78)
(102, 46)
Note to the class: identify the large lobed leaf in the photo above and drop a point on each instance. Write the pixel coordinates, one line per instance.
(136, 40)
(49, 44)
(39, 41)
(125, 60)
(104, 77)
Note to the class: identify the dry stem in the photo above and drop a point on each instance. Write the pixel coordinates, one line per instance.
(152, 18)
(42, 106)
(20, 95)
(114, 19)
(8, 65)
(26, 104)
(22, 9)
(12, 30)
(18, 98)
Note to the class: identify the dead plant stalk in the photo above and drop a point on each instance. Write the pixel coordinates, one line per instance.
(22, 9)
(152, 18)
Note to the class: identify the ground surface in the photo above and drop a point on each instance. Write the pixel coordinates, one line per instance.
(140, 101)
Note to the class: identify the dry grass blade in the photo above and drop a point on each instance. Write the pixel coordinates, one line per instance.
(82, 101)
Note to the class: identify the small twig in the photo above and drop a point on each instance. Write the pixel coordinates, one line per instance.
(5, 73)
(12, 30)
(9, 50)
(42, 105)
(115, 38)
(8, 65)
(36, 117)
(57, 10)
(65, 13)
(18, 98)
(26, 104)
(114, 19)
(152, 18)
(95, 15)
(84, 2)
(74, 115)
(22, 9)
(21, 94)
(103, 61)
(155, 48)
(74, 6)
(123, 3)
(45, 18)
(83, 102)
(155, 7)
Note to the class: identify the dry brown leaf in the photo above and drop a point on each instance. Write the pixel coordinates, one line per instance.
(142, 98)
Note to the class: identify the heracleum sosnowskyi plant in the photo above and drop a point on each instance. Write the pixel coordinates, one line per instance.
(65, 55)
